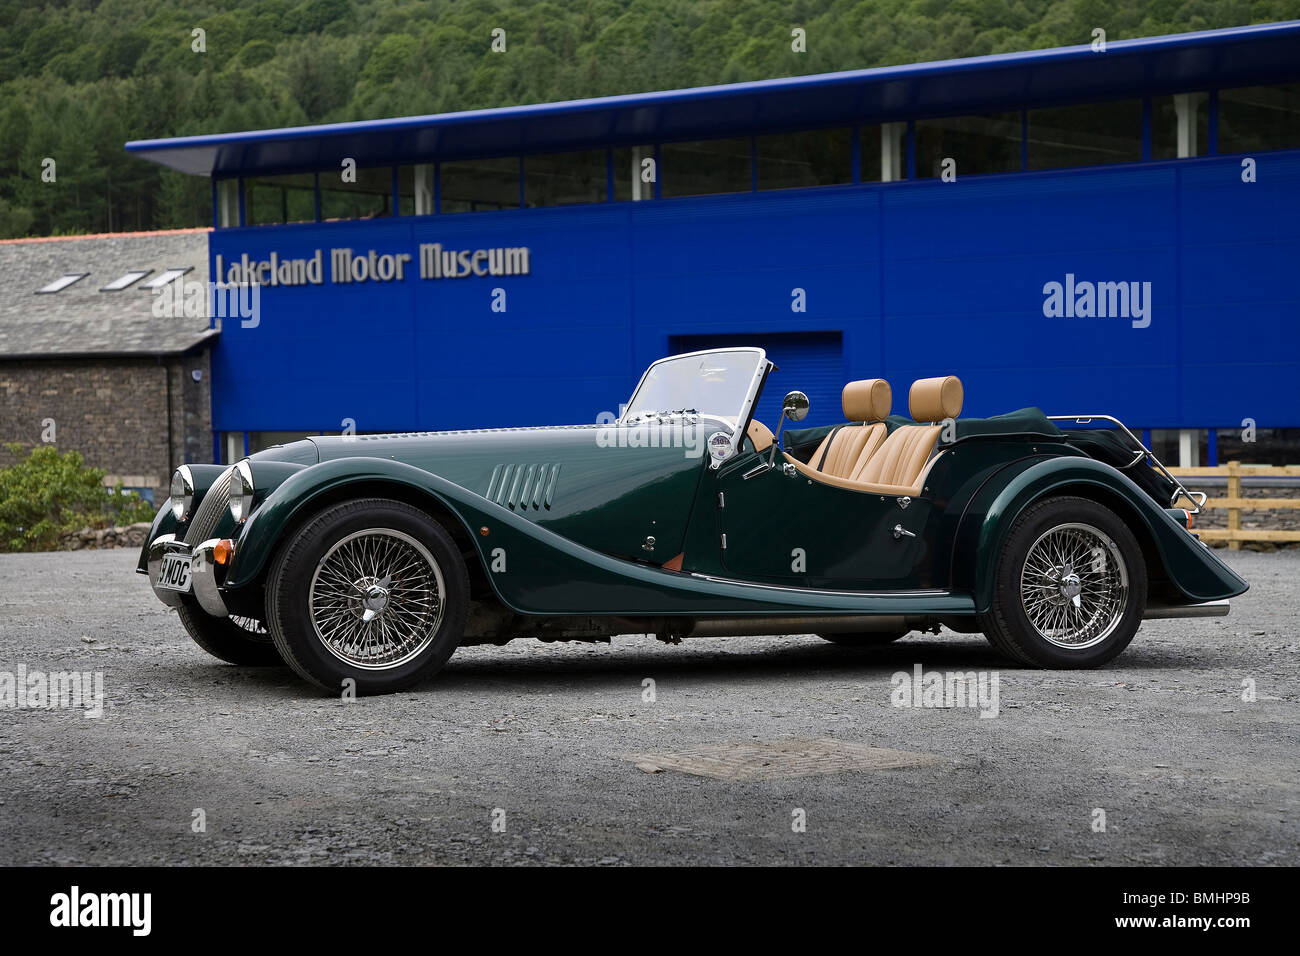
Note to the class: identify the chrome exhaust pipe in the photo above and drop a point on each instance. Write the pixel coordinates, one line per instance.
(825, 624)
(1205, 609)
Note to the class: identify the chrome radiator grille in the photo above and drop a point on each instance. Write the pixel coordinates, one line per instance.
(213, 505)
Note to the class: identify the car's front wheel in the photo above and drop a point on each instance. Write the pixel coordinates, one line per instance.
(1070, 586)
(370, 591)
(235, 640)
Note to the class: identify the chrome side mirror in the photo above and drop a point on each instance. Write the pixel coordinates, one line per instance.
(795, 407)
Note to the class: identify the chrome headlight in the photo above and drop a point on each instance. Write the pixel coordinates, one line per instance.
(182, 492)
(241, 491)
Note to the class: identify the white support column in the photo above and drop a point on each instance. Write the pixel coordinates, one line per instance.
(228, 203)
(1185, 111)
(1189, 444)
(892, 136)
(234, 446)
(424, 189)
(636, 175)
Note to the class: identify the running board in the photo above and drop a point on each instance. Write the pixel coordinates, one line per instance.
(1207, 609)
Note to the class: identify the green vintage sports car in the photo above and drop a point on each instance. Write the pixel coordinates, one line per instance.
(364, 561)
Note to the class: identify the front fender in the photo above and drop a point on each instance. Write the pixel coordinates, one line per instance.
(986, 524)
(164, 522)
(300, 491)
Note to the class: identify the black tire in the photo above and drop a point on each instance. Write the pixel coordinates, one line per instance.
(1113, 596)
(865, 638)
(426, 625)
(234, 640)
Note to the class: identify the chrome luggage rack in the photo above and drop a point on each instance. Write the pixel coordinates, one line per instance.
(1197, 498)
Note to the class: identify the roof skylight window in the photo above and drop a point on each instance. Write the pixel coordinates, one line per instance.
(61, 283)
(117, 285)
(160, 280)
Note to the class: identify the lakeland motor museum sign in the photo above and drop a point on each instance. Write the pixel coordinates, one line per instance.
(345, 265)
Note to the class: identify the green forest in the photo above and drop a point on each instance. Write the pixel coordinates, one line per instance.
(78, 79)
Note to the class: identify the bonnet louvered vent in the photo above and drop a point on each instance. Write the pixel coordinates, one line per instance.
(523, 486)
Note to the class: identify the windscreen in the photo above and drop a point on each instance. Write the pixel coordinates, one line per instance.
(705, 383)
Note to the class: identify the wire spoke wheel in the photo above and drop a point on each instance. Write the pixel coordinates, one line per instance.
(376, 599)
(250, 624)
(1074, 585)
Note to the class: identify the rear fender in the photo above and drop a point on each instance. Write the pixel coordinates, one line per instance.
(1191, 567)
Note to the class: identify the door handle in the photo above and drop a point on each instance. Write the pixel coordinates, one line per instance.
(900, 531)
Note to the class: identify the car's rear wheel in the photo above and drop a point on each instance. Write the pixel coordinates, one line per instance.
(864, 638)
(371, 591)
(1070, 586)
(235, 640)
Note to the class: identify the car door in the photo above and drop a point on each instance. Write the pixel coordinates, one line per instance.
(793, 529)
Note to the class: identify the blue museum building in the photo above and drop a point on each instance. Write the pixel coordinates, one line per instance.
(1110, 231)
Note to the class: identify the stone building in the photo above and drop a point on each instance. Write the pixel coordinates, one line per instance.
(91, 361)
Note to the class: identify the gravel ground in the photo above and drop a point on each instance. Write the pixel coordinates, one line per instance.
(538, 736)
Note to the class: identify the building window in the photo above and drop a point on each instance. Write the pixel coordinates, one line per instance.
(1259, 117)
(565, 179)
(634, 173)
(1180, 125)
(822, 157)
(1272, 446)
(279, 199)
(370, 197)
(987, 143)
(61, 283)
(706, 167)
(480, 185)
(1086, 135)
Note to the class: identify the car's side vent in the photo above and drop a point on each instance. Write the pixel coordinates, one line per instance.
(523, 486)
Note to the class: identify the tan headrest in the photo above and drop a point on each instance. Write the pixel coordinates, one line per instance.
(868, 400)
(934, 399)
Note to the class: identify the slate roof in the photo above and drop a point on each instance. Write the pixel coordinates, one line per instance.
(83, 321)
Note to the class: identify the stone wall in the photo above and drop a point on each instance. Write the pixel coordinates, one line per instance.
(113, 410)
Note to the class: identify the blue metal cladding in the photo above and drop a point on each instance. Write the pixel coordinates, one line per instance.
(920, 278)
(1237, 56)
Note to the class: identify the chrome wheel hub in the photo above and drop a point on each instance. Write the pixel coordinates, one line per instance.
(1074, 586)
(1071, 587)
(372, 598)
(376, 599)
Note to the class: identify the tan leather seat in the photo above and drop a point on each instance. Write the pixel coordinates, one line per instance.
(759, 434)
(899, 466)
(844, 452)
(905, 453)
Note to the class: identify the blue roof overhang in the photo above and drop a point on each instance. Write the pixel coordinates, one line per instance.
(1240, 56)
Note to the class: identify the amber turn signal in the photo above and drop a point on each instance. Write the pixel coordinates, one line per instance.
(223, 551)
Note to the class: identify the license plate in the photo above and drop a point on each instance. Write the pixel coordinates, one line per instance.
(174, 575)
